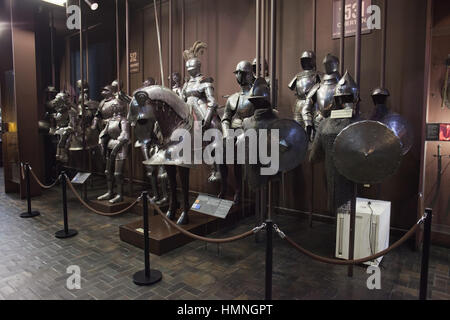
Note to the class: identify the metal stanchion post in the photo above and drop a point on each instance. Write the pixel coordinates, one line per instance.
(29, 213)
(269, 259)
(426, 255)
(147, 276)
(66, 233)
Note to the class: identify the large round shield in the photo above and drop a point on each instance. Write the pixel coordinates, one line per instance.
(293, 143)
(367, 152)
(402, 129)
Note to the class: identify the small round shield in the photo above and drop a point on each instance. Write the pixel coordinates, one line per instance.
(402, 129)
(367, 152)
(293, 143)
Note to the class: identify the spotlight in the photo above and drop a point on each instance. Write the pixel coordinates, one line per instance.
(60, 3)
(94, 6)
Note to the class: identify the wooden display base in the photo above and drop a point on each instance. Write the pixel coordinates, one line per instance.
(105, 206)
(164, 238)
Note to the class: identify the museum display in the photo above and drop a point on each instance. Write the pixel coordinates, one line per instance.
(162, 105)
(320, 98)
(198, 93)
(237, 109)
(114, 142)
(340, 189)
(148, 172)
(303, 82)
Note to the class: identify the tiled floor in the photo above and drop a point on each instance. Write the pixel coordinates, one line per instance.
(33, 262)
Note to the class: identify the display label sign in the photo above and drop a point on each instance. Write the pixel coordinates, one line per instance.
(81, 178)
(134, 62)
(350, 18)
(342, 114)
(433, 131)
(211, 206)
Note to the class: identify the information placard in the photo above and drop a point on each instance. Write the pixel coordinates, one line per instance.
(81, 178)
(211, 206)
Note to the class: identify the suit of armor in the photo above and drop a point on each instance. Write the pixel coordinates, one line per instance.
(320, 99)
(64, 116)
(303, 83)
(177, 87)
(238, 108)
(340, 189)
(380, 97)
(83, 124)
(198, 93)
(114, 142)
(267, 78)
(149, 138)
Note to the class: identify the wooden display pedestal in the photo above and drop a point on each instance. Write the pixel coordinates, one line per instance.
(164, 238)
(105, 206)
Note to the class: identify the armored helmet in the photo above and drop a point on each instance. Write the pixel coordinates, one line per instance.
(346, 90)
(331, 64)
(308, 60)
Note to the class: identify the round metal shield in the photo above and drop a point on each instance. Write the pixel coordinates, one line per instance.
(293, 143)
(367, 152)
(402, 129)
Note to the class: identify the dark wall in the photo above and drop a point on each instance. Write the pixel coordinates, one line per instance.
(229, 29)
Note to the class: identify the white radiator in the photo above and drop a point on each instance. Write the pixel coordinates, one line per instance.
(371, 230)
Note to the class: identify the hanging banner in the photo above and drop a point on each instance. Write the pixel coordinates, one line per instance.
(350, 18)
(134, 62)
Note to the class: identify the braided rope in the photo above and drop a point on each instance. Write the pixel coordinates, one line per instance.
(105, 214)
(350, 262)
(43, 186)
(210, 240)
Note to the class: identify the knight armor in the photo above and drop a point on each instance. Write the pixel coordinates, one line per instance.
(266, 77)
(319, 100)
(379, 97)
(303, 83)
(114, 142)
(198, 93)
(177, 86)
(238, 108)
(64, 115)
(340, 189)
(149, 138)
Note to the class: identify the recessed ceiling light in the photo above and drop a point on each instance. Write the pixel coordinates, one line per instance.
(61, 3)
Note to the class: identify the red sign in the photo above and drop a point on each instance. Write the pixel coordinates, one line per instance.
(444, 132)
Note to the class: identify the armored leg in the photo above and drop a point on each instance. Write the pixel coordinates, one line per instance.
(224, 183)
(238, 181)
(162, 178)
(118, 179)
(184, 177)
(173, 203)
(109, 180)
(151, 175)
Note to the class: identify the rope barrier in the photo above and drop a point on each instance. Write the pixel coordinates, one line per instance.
(43, 186)
(105, 214)
(21, 171)
(350, 262)
(210, 240)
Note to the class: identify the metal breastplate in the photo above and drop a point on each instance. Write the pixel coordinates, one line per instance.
(62, 119)
(244, 109)
(113, 127)
(305, 82)
(325, 94)
(195, 98)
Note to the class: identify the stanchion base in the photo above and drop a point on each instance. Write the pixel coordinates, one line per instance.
(140, 279)
(63, 235)
(32, 214)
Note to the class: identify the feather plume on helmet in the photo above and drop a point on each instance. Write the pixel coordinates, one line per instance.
(191, 56)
